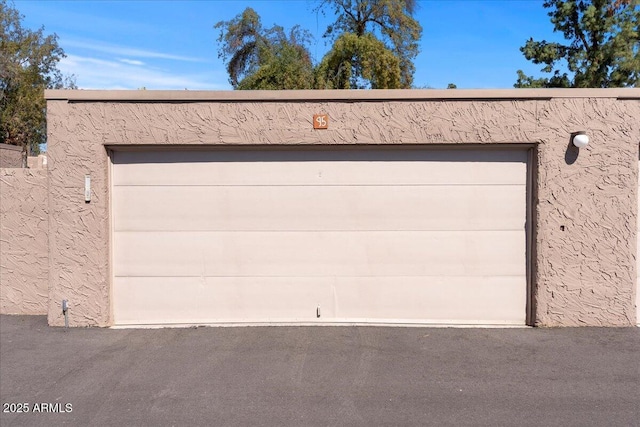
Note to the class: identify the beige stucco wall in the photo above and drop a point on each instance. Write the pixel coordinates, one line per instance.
(24, 260)
(37, 162)
(10, 156)
(585, 202)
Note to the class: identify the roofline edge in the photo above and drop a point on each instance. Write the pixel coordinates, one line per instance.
(333, 95)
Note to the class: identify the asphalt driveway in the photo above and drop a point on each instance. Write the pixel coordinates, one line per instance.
(300, 376)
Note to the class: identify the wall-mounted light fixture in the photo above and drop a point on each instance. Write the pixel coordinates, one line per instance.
(87, 188)
(580, 139)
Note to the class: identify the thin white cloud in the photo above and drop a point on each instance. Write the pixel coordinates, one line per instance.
(131, 61)
(94, 73)
(126, 51)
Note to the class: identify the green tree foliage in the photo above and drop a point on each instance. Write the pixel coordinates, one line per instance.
(392, 20)
(359, 62)
(28, 65)
(602, 49)
(264, 58)
(374, 45)
(286, 64)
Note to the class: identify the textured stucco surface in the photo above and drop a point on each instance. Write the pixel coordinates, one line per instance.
(10, 156)
(24, 261)
(585, 274)
(37, 162)
(584, 206)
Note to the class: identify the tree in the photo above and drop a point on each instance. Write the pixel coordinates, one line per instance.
(286, 64)
(264, 58)
(374, 44)
(357, 62)
(603, 48)
(391, 19)
(28, 65)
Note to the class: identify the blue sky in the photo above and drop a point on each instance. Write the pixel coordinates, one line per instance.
(172, 44)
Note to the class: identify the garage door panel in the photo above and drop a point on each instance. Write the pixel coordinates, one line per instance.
(319, 208)
(234, 299)
(148, 300)
(361, 168)
(319, 253)
(451, 299)
(367, 234)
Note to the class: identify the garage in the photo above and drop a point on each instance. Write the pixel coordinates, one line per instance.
(342, 207)
(352, 235)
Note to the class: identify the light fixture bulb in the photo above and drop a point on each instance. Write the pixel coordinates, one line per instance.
(581, 140)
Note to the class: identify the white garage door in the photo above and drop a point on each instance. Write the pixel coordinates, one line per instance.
(347, 235)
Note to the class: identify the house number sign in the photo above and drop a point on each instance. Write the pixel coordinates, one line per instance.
(321, 121)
